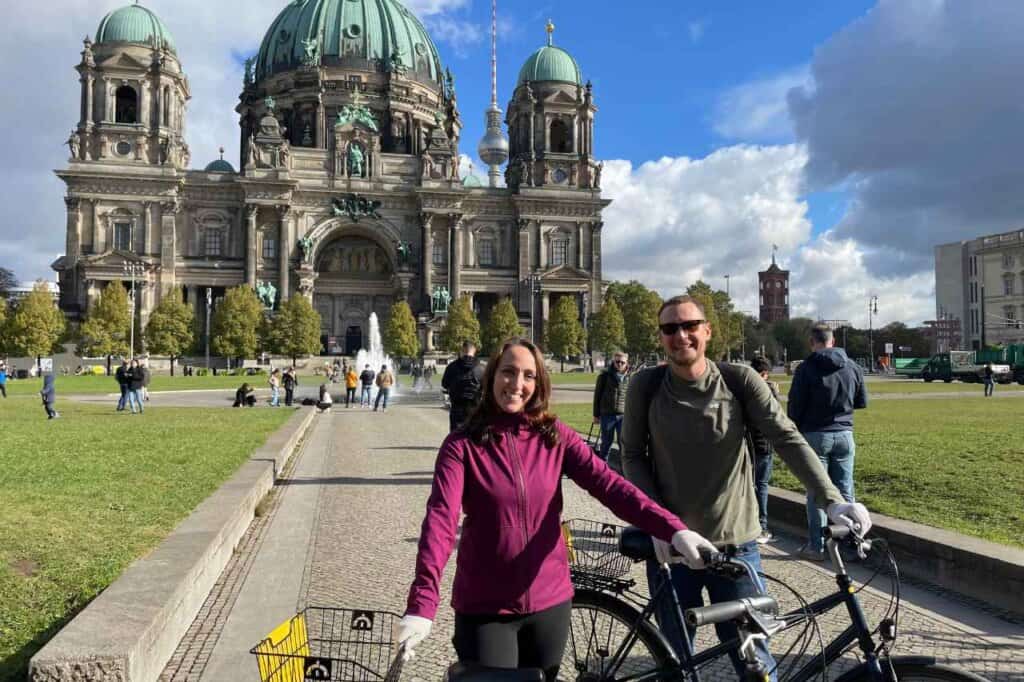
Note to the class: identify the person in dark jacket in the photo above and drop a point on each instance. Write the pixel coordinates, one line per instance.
(289, 381)
(827, 388)
(49, 396)
(610, 402)
(366, 381)
(512, 592)
(990, 385)
(462, 382)
(136, 379)
(121, 374)
(244, 396)
(763, 454)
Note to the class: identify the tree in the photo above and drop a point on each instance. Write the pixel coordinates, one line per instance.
(462, 325)
(3, 326)
(564, 332)
(727, 329)
(639, 306)
(702, 294)
(169, 331)
(236, 322)
(399, 337)
(608, 328)
(295, 330)
(502, 326)
(106, 329)
(36, 324)
(7, 282)
(793, 337)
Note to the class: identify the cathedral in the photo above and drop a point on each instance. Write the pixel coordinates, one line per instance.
(347, 189)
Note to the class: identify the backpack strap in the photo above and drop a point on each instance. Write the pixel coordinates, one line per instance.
(732, 375)
(655, 378)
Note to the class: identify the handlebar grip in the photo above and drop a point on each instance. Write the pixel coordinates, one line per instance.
(836, 532)
(730, 610)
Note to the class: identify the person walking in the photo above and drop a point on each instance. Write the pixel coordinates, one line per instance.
(762, 455)
(826, 389)
(275, 388)
(990, 384)
(610, 402)
(351, 382)
(428, 375)
(3, 379)
(146, 376)
(121, 375)
(366, 379)
(289, 381)
(512, 592)
(684, 444)
(385, 380)
(49, 396)
(462, 380)
(135, 378)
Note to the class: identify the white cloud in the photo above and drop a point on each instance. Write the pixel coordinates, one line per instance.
(460, 35)
(427, 8)
(757, 110)
(696, 30)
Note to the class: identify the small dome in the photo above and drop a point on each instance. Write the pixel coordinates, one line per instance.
(134, 24)
(219, 166)
(472, 181)
(551, 63)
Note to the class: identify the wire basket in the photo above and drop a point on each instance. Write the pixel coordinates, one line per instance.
(593, 548)
(341, 645)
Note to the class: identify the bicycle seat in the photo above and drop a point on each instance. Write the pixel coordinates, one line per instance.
(468, 672)
(636, 544)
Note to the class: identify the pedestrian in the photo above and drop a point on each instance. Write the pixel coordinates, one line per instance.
(415, 372)
(610, 402)
(244, 396)
(428, 375)
(135, 378)
(827, 387)
(3, 379)
(990, 384)
(121, 375)
(462, 380)
(324, 400)
(275, 388)
(512, 593)
(684, 442)
(146, 376)
(762, 455)
(385, 380)
(49, 396)
(366, 379)
(351, 382)
(289, 381)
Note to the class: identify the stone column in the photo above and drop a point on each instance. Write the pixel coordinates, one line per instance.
(287, 215)
(73, 244)
(542, 250)
(455, 259)
(168, 246)
(427, 258)
(595, 265)
(250, 244)
(147, 228)
(321, 142)
(523, 268)
(89, 112)
(97, 229)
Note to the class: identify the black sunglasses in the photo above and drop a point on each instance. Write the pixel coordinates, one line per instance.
(671, 328)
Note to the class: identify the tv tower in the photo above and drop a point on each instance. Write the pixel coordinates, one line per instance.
(493, 148)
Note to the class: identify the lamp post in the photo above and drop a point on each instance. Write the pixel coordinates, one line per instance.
(872, 311)
(728, 343)
(535, 298)
(132, 269)
(209, 304)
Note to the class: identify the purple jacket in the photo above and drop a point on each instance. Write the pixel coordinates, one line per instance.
(512, 558)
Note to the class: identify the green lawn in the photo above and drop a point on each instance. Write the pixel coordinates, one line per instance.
(573, 378)
(86, 494)
(82, 385)
(954, 463)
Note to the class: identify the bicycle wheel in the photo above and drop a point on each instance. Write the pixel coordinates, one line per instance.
(600, 625)
(918, 672)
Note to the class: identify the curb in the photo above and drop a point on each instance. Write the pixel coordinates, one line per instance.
(129, 632)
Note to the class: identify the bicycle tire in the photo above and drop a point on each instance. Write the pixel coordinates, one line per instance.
(599, 623)
(917, 672)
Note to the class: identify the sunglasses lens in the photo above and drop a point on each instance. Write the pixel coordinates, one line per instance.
(688, 326)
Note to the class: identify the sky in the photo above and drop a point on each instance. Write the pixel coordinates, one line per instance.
(854, 136)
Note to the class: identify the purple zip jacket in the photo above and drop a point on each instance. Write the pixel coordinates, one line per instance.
(512, 558)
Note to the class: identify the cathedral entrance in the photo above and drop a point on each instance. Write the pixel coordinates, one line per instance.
(353, 339)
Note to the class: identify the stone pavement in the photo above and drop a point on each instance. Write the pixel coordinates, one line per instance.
(341, 530)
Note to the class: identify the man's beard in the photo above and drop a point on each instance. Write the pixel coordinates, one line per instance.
(684, 363)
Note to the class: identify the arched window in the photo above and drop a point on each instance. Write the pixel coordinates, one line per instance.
(561, 139)
(212, 242)
(165, 106)
(487, 252)
(126, 102)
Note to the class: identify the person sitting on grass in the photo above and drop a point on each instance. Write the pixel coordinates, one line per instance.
(325, 401)
(244, 396)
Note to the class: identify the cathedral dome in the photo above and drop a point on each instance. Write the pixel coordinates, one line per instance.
(134, 24)
(551, 63)
(359, 34)
(219, 166)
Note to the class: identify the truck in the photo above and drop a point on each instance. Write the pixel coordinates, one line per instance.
(1011, 355)
(910, 368)
(965, 366)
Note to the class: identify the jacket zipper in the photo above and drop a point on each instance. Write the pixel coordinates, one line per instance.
(517, 462)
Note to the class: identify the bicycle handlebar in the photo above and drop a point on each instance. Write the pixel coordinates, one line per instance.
(731, 610)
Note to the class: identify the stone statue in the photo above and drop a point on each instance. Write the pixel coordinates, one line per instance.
(446, 298)
(310, 52)
(440, 299)
(283, 153)
(74, 143)
(306, 246)
(254, 154)
(165, 150)
(597, 175)
(397, 63)
(247, 79)
(269, 103)
(404, 251)
(355, 161)
(267, 294)
(307, 137)
(428, 165)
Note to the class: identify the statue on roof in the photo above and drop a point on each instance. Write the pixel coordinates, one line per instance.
(267, 293)
(247, 79)
(356, 113)
(311, 52)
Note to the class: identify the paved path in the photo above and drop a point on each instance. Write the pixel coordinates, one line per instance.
(341, 529)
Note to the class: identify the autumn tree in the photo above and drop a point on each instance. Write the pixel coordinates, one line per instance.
(502, 326)
(35, 324)
(399, 335)
(236, 323)
(608, 328)
(564, 333)
(169, 330)
(461, 325)
(106, 330)
(639, 306)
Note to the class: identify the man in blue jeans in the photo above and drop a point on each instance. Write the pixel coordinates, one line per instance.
(610, 402)
(827, 388)
(684, 444)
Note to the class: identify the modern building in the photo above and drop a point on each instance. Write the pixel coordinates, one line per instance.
(773, 292)
(347, 188)
(980, 283)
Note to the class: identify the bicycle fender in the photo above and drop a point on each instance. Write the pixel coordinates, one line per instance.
(862, 669)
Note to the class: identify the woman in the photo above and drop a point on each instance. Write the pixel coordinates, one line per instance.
(275, 388)
(244, 396)
(351, 382)
(135, 379)
(49, 395)
(324, 401)
(512, 593)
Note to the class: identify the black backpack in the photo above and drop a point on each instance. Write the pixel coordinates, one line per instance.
(466, 387)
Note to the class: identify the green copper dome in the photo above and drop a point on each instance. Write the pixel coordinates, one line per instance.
(219, 166)
(551, 63)
(359, 34)
(134, 24)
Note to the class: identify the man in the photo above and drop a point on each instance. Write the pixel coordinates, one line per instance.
(684, 445)
(135, 378)
(3, 378)
(990, 385)
(121, 375)
(146, 377)
(289, 381)
(462, 379)
(366, 379)
(762, 455)
(610, 402)
(385, 380)
(826, 389)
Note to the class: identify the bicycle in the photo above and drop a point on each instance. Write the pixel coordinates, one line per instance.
(613, 636)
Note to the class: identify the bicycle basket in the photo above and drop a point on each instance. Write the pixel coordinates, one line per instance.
(341, 645)
(593, 548)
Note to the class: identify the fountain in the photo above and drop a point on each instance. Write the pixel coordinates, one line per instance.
(375, 357)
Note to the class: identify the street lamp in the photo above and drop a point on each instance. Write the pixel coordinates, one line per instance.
(535, 304)
(872, 311)
(132, 269)
(209, 304)
(728, 344)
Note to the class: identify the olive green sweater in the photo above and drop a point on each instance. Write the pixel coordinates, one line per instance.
(696, 463)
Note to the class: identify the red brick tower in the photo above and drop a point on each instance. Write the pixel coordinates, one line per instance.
(773, 292)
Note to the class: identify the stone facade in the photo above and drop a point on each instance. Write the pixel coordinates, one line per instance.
(348, 193)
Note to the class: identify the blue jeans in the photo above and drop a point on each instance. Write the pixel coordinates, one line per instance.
(611, 427)
(836, 450)
(382, 393)
(124, 397)
(762, 477)
(690, 583)
(990, 387)
(135, 398)
(275, 396)
(365, 396)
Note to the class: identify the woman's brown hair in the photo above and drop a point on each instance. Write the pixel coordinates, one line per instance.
(478, 426)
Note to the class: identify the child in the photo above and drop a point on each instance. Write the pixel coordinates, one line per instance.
(49, 395)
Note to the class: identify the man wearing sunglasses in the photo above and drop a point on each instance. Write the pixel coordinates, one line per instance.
(610, 402)
(685, 444)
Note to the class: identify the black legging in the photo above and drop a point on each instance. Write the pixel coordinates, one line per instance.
(534, 640)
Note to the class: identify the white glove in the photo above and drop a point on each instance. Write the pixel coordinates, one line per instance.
(411, 631)
(663, 552)
(851, 515)
(688, 543)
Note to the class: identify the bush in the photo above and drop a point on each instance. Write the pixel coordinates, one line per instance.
(257, 371)
(202, 372)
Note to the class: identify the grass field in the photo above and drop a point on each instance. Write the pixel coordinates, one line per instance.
(954, 463)
(100, 384)
(85, 495)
